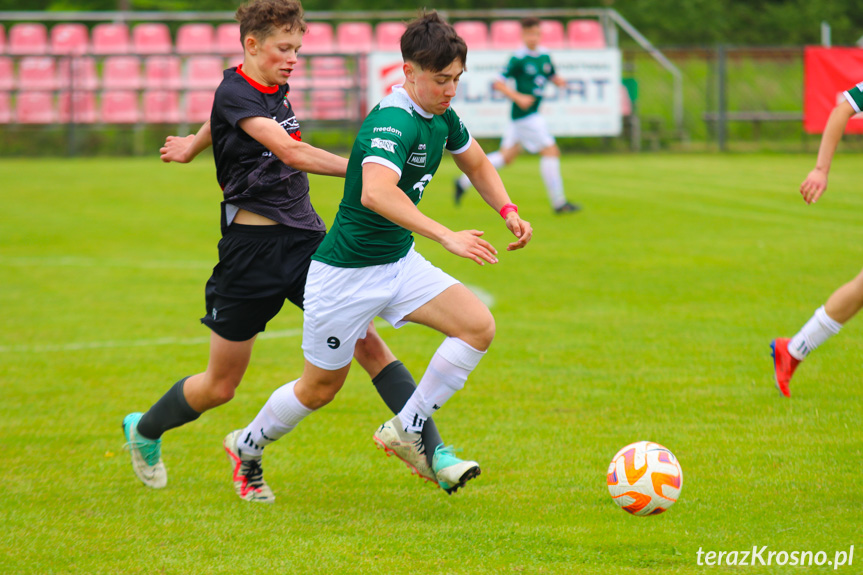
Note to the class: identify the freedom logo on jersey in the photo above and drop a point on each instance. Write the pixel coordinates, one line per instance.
(387, 145)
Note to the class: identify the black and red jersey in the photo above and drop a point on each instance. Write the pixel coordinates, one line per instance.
(251, 176)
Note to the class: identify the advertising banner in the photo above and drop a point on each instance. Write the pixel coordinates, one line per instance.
(827, 73)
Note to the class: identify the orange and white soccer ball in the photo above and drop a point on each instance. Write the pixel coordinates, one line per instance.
(644, 478)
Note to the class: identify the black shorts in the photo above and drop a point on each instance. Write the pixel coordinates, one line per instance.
(259, 268)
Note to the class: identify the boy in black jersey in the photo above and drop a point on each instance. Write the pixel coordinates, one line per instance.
(269, 232)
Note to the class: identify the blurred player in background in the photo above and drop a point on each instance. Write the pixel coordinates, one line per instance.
(846, 301)
(269, 232)
(367, 265)
(530, 69)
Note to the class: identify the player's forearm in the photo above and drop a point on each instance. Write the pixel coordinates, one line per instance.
(392, 203)
(832, 135)
(312, 160)
(506, 89)
(203, 140)
(490, 187)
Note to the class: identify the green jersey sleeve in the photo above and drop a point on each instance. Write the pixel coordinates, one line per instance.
(511, 69)
(855, 97)
(458, 140)
(387, 136)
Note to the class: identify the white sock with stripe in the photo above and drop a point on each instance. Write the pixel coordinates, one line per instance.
(446, 374)
(816, 331)
(282, 412)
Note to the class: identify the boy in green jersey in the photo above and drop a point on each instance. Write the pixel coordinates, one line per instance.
(530, 69)
(846, 301)
(367, 266)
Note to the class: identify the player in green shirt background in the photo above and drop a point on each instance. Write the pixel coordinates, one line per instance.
(846, 301)
(530, 69)
(367, 266)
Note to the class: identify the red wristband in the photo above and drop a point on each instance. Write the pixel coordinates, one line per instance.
(506, 209)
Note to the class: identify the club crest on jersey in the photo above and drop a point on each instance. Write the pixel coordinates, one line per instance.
(286, 103)
(387, 145)
(417, 159)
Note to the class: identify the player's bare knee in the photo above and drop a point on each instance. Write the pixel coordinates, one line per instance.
(482, 332)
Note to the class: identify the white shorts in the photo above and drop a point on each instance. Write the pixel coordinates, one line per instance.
(340, 302)
(531, 132)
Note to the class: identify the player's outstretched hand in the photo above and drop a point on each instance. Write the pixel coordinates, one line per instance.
(813, 186)
(468, 244)
(175, 149)
(520, 228)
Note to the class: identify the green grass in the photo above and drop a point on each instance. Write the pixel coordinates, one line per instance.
(646, 316)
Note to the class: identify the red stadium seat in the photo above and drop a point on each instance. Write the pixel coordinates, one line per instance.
(5, 108)
(151, 38)
(318, 38)
(162, 72)
(552, 34)
(121, 73)
(162, 107)
(120, 107)
(2, 39)
(78, 107)
(37, 73)
(228, 41)
(328, 72)
(110, 38)
(388, 35)
(196, 39)
(354, 37)
(585, 34)
(506, 35)
(35, 108)
(28, 39)
(299, 77)
(298, 104)
(330, 105)
(69, 39)
(77, 73)
(199, 104)
(7, 76)
(204, 72)
(474, 33)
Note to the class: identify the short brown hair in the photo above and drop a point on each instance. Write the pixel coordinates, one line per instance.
(529, 22)
(432, 43)
(262, 18)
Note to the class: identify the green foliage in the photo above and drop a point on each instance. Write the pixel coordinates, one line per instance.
(646, 316)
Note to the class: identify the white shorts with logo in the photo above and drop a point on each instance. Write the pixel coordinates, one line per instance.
(340, 302)
(531, 132)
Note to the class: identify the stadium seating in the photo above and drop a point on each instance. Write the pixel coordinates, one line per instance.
(37, 73)
(552, 34)
(330, 105)
(162, 72)
(354, 37)
(28, 39)
(299, 77)
(227, 41)
(199, 104)
(195, 39)
(161, 107)
(328, 72)
(35, 108)
(474, 33)
(204, 72)
(388, 35)
(318, 38)
(2, 40)
(121, 73)
(585, 34)
(69, 39)
(5, 108)
(110, 38)
(505, 35)
(7, 73)
(77, 73)
(78, 107)
(119, 107)
(151, 38)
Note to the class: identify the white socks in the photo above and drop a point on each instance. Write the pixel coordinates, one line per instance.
(496, 159)
(282, 412)
(549, 168)
(447, 373)
(816, 331)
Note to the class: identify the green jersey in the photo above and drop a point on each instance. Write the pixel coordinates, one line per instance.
(400, 135)
(530, 71)
(855, 97)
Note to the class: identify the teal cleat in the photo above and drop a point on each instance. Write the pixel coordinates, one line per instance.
(451, 472)
(146, 454)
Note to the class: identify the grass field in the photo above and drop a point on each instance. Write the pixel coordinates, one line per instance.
(646, 316)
